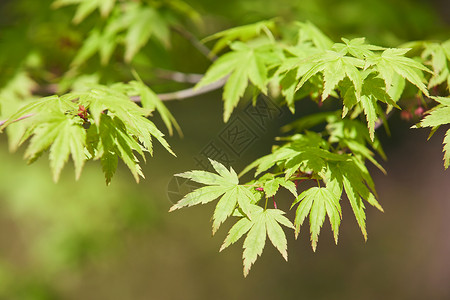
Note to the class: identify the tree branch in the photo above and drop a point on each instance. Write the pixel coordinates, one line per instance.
(178, 76)
(192, 92)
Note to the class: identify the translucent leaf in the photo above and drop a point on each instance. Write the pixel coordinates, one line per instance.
(236, 232)
(242, 64)
(254, 243)
(242, 33)
(317, 202)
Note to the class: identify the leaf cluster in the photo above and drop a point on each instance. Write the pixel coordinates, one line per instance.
(241, 201)
(436, 117)
(335, 165)
(99, 124)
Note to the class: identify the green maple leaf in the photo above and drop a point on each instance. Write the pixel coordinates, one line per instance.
(242, 64)
(242, 33)
(309, 33)
(116, 141)
(145, 21)
(354, 178)
(317, 202)
(373, 90)
(134, 24)
(447, 149)
(264, 223)
(101, 99)
(17, 92)
(62, 134)
(308, 152)
(393, 61)
(119, 128)
(436, 117)
(86, 7)
(150, 100)
(272, 185)
(310, 159)
(334, 66)
(225, 185)
(437, 55)
(357, 47)
(352, 134)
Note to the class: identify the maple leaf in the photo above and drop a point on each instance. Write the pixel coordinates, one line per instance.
(265, 222)
(307, 153)
(437, 116)
(86, 7)
(112, 100)
(373, 90)
(118, 127)
(272, 185)
(352, 134)
(145, 21)
(317, 202)
(309, 33)
(242, 64)
(225, 185)
(393, 61)
(357, 47)
(242, 33)
(150, 100)
(52, 128)
(314, 70)
(15, 94)
(134, 23)
(353, 177)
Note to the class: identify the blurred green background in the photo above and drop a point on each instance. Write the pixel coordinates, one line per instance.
(83, 240)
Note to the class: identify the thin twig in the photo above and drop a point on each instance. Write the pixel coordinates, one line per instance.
(380, 121)
(195, 42)
(178, 76)
(192, 92)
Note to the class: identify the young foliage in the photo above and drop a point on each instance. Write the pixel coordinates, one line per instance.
(318, 202)
(309, 157)
(132, 24)
(244, 63)
(265, 222)
(439, 115)
(304, 157)
(437, 56)
(105, 123)
(225, 184)
(353, 69)
(17, 92)
(98, 124)
(236, 199)
(86, 7)
(241, 33)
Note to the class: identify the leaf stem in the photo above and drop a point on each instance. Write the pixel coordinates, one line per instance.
(195, 42)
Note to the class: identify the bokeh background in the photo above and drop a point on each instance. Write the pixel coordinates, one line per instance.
(83, 240)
